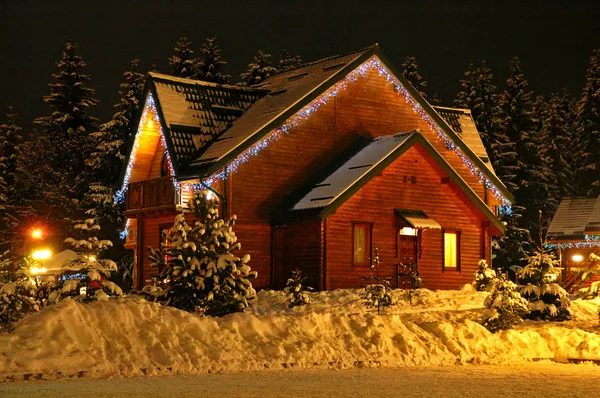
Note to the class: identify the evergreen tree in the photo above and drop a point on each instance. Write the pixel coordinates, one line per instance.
(211, 65)
(505, 306)
(484, 277)
(479, 95)
(182, 62)
(65, 141)
(198, 262)
(557, 146)
(258, 70)
(410, 70)
(287, 61)
(514, 246)
(10, 204)
(296, 289)
(587, 128)
(522, 171)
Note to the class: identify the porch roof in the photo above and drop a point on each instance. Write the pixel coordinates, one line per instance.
(575, 218)
(417, 219)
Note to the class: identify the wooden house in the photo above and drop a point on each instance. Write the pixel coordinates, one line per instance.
(322, 165)
(575, 233)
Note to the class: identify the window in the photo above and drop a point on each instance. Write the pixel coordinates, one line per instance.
(452, 250)
(361, 243)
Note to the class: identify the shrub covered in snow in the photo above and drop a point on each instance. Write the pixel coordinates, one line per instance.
(17, 299)
(197, 262)
(85, 277)
(593, 290)
(296, 289)
(505, 305)
(377, 296)
(484, 277)
(547, 300)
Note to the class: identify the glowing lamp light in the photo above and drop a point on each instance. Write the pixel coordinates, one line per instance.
(37, 271)
(577, 258)
(408, 231)
(92, 258)
(83, 291)
(36, 233)
(41, 254)
(210, 195)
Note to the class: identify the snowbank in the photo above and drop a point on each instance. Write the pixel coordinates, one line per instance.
(129, 337)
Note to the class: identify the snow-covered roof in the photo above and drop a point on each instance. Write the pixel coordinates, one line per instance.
(462, 123)
(285, 90)
(575, 217)
(352, 171)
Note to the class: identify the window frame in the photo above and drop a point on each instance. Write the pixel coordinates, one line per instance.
(458, 233)
(368, 244)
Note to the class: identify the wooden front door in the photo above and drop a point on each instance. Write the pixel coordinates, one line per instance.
(407, 249)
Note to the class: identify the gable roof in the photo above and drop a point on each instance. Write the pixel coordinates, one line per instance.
(462, 123)
(575, 218)
(344, 182)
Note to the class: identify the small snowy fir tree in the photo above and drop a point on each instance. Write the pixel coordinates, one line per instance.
(296, 289)
(201, 271)
(287, 61)
(182, 62)
(258, 70)
(85, 277)
(505, 306)
(377, 295)
(17, 299)
(484, 277)
(547, 300)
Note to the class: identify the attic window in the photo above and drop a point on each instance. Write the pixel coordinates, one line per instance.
(297, 76)
(336, 66)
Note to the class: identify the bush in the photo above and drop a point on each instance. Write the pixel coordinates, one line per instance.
(484, 277)
(505, 306)
(296, 291)
(17, 299)
(377, 296)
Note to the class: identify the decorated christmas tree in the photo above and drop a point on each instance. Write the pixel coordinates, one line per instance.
(199, 265)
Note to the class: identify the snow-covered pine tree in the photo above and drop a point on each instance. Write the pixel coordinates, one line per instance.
(557, 145)
(514, 246)
(410, 70)
(587, 129)
(85, 277)
(296, 289)
(17, 299)
(484, 277)
(258, 70)
(182, 62)
(288, 61)
(478, 94)
(210, 66)
(65, 141)
(505, 306)
(547, 300)
(202, 273)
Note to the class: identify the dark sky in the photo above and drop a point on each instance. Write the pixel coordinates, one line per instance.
(554, 39)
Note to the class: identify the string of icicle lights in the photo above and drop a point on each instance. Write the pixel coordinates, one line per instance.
(570, 245)
(150, 114)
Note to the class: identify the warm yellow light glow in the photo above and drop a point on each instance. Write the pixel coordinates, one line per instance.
(41, 254)
(577, 258)
(82, 290)
(37, 271)
(36, 233)
(210, 195)
(93, 258)
(408, 231)
(450, 250)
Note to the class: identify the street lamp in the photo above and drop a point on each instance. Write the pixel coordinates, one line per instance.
(36, 233)
(42, 254)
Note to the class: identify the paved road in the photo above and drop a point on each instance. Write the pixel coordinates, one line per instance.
(539, 380)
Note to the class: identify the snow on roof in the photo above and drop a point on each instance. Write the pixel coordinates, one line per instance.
(462, 123)
(417, 219)
(285, 90)
(352, 171)
(575, 217)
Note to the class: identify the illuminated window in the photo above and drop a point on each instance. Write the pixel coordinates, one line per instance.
(451, 250)
(361, 243)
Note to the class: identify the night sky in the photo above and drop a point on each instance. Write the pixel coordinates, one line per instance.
(554, 39)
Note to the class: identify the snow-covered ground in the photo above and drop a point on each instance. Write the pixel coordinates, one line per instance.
(527, 380)
(131, 337)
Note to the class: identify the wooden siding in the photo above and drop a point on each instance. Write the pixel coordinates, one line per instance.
(148, 148)
(302, 248)
(261, 185)
(376, 201)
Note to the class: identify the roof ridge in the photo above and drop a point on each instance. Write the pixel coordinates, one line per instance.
(184, 80)
(318, 61)
(451, 108)
(395, 135)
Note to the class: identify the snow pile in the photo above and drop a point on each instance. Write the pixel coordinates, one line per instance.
(129, 336)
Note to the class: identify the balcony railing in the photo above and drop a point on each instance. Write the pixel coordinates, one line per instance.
(147, 194)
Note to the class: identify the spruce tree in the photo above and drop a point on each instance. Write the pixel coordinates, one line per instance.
(182, 62)
(287, 61)
(11, 204)
(258, 70)
(211, 63)
(198, 261)
(65, 140)
(478, 94)
(410, 70)
(587, 128)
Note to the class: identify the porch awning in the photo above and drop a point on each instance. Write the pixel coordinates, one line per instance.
(416, 219)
